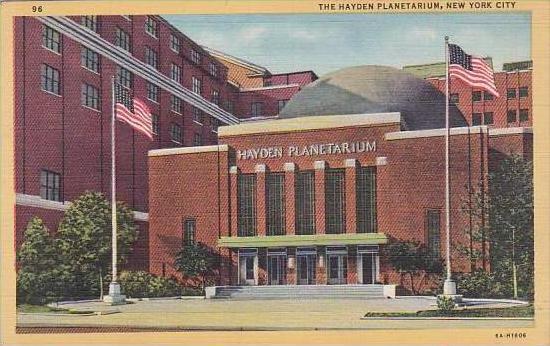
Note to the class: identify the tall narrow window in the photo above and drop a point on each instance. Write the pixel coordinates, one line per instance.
(488, 118)
(189, 231)
(335, 198)
(151, 57)
(51, 39)
(523, 115)
(90, 22)
(195, 57)
(433, 224)
(49, 185)
(197, 139)
(89, 59)
(175, 104)
(155, 119)
(90, 96)
(256, 109)
(124, 77)
(151, 27)
(476, 119)
(246, 205)
(175, 133)
(511, 116)
(305, 202)
(175, 72)
(213, 69)
(275, 204)
(216, 97)
(50, 79)
(197, 115)
(365, 194)
(175, 44)
(197, 85)
(152, 92)
(122, 39)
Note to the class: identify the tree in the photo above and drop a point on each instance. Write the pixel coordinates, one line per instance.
(412, 259)
(85, 236)
(504, 219)
(40, 278)
(196, 260)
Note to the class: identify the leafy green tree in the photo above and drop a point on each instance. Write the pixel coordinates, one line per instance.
(412, 259)
(40, 278)
(196, 260)
(504, 219)
(84, 237)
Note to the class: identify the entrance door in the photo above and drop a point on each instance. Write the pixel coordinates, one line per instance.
(306, 269)
(276, 270)
(247, 270)
(367, 268)
(337, 269)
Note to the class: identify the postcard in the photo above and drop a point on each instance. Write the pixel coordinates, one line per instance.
(275, 172)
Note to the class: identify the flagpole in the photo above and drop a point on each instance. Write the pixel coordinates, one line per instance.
(114, 296)
(449, 287)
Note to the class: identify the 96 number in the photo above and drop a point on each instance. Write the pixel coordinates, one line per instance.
(37, 9)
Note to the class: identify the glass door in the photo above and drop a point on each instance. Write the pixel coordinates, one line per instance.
(247, 270)
(368, 268)
(337, 269)
(276, 270)
(306, 269)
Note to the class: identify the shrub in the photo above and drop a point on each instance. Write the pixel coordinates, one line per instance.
(140, 284)
(481, 284)
(445, 304)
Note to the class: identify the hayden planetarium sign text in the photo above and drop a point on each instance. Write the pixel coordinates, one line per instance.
(306, 150)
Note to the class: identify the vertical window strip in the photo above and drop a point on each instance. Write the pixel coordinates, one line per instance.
(434, 225)
(51, 39)
(246, 204)
(366, 199)
(305, 203)
(275, 206)
(335, 200)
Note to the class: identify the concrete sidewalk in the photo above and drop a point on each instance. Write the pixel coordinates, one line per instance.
(284, 314)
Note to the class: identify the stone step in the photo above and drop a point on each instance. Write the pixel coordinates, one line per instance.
(297, 291)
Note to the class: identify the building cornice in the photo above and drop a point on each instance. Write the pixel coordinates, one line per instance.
(304, 240)
(390, 136)
(282, 86)
(38, 202)
(124, 59)
(189, 150)
(310, 123)
(510, 131)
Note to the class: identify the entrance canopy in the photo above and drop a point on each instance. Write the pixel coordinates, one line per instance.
(304, 240)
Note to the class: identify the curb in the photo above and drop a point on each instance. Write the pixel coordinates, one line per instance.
(451, 318)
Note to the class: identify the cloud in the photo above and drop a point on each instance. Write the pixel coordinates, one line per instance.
(423, 33)
(252, 34)
(302, 34)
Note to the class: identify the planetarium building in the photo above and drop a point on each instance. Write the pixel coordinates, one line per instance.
(355, 160)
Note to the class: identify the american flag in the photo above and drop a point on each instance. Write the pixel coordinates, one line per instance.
(473, 70)
(132, 111)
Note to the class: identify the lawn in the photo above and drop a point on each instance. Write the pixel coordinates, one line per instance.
(516, 311)
(29, 308)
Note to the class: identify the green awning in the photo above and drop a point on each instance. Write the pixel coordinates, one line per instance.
(304, 240)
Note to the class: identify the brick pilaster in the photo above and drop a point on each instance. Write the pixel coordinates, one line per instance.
(321, 267)
(351, 218)
(290, 201)
(352, 274)
(234, 175)
(260, 200)
(320, 196)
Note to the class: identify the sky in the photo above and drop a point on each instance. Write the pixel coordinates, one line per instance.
(324, 43)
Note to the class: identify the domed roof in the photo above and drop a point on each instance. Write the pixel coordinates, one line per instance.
(374, 89)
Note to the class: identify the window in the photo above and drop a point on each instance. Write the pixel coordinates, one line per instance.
(488, 118)
(195, 57)
(230, 106)
(152, 92)
(124, 77)
(50, 79)
(175, 104)
(51, 39)
(49, 185)
(89, 59)
(213, 69)
(175, 43)
(523, 92)
(197, 85)
(511, 93)
(197, 115)
(523, 115)
(215, 123)
(335, 200)
(175, 133)
(476, 119)
(305, 203)
(256, 110)
(197, 139)
(122, 39)
(151, 27)
(487, 96)
(511, 116)
(281, 104)
(476, 96)
(216, 97)
(151, 57)
(433, 223)
(175, 72)
(246, 205)
(90, 96)
(90, 22)
(189, 231)
(155, 120)
(365, 194)
(454, 98)
(275, 203)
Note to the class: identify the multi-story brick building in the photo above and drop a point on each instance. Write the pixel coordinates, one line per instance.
(313, 196)
(512, 108)
(63, 80)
